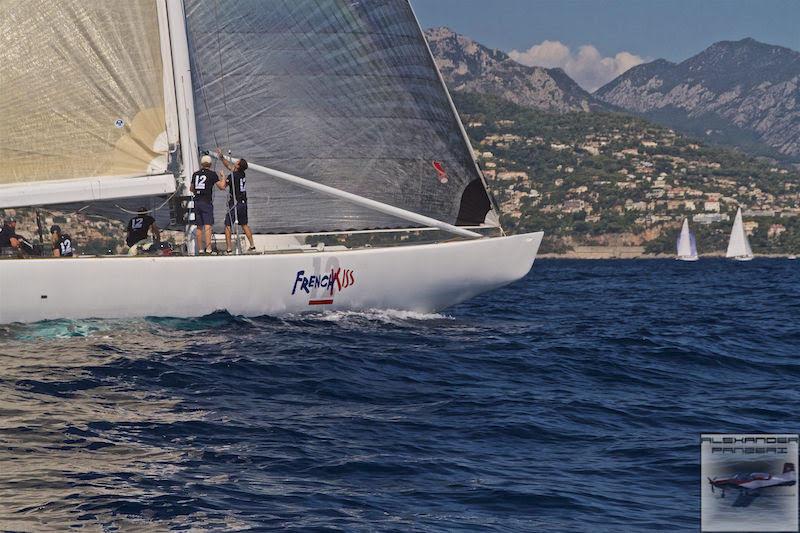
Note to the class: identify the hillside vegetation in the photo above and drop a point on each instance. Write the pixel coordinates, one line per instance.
(613, 179)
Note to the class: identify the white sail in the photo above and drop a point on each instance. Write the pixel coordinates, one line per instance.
(739, 245)
(85, 94)
(686, 244)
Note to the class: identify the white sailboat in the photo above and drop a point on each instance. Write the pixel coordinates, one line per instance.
(738, 245)
(687, 247)
(338, 108)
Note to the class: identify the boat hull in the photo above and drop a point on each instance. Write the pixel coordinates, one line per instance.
(742, 258)
(421, 278)
(688, 259)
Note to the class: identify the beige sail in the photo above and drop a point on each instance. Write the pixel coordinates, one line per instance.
(81, 90)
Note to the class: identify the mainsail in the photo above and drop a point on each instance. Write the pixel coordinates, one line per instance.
(341, 92)
(739, 245)
(83, 96)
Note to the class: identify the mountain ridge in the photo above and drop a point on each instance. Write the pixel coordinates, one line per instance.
(741, 92)
(469, 66)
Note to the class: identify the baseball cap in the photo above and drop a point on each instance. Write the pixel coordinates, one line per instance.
(55, 228)
(205, 160)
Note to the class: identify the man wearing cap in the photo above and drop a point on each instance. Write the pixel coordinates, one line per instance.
(202, 186)
(62, 243)
(8, 235)
(237, 200)
(138, 228)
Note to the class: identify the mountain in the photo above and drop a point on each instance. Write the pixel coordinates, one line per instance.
(744, 93)
(471, 67)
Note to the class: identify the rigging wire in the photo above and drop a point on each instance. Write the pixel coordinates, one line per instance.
(235, 218)
(204, 96)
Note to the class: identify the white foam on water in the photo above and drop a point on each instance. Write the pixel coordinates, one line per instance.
(376, 315)
(61, 329)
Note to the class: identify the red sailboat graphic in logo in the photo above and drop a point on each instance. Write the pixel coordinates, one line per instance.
(440, 170)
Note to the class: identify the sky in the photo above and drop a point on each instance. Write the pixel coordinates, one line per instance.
(596, 40)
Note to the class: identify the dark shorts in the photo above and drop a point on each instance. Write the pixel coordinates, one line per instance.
(241, 213)
(203, 213)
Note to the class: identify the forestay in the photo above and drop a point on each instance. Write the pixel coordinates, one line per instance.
(83, 93)
(341, 92)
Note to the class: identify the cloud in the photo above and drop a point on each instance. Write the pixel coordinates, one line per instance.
(586, 66)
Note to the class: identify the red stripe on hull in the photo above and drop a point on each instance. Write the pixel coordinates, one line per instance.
(320, 302)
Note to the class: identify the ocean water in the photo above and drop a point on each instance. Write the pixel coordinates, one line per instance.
(570, 401)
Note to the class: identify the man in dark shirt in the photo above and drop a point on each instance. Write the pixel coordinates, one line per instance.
(237, 200)
(62, 243)
(8, 235)
(202, 187)
(139, 226)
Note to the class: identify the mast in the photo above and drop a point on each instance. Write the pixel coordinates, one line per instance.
(170, 102)
(183, 88)
(182, 71)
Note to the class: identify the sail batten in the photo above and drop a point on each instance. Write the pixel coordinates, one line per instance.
(343, 93)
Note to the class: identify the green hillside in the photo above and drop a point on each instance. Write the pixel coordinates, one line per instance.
(613, 179)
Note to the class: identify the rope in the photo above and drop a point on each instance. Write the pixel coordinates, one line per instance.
(199, 70)
(171, 196)
(235, 217)
(222, 75)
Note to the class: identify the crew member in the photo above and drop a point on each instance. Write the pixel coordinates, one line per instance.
(8, 235)
(138, 228)
(237, 200)
(202, 187)
(62, 243)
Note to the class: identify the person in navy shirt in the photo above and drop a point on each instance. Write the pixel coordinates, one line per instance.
(62, 243)
(202, 186)
(237, 200)
(8, 235)
(139, 226)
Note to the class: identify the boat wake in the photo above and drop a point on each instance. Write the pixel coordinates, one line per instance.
(387, 316)
(56, 329)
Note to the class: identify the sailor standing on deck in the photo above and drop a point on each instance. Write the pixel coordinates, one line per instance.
(202, 187)
(237, 200)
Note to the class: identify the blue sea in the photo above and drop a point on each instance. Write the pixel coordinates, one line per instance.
(570, 401)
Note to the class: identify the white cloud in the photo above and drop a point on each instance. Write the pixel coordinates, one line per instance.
(586, 66)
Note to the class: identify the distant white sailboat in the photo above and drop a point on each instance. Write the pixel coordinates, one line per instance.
(739, 246)
(687, 247)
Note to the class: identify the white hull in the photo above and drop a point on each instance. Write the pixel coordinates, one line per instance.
(689, 259)
(422, 278)
(742, 258)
